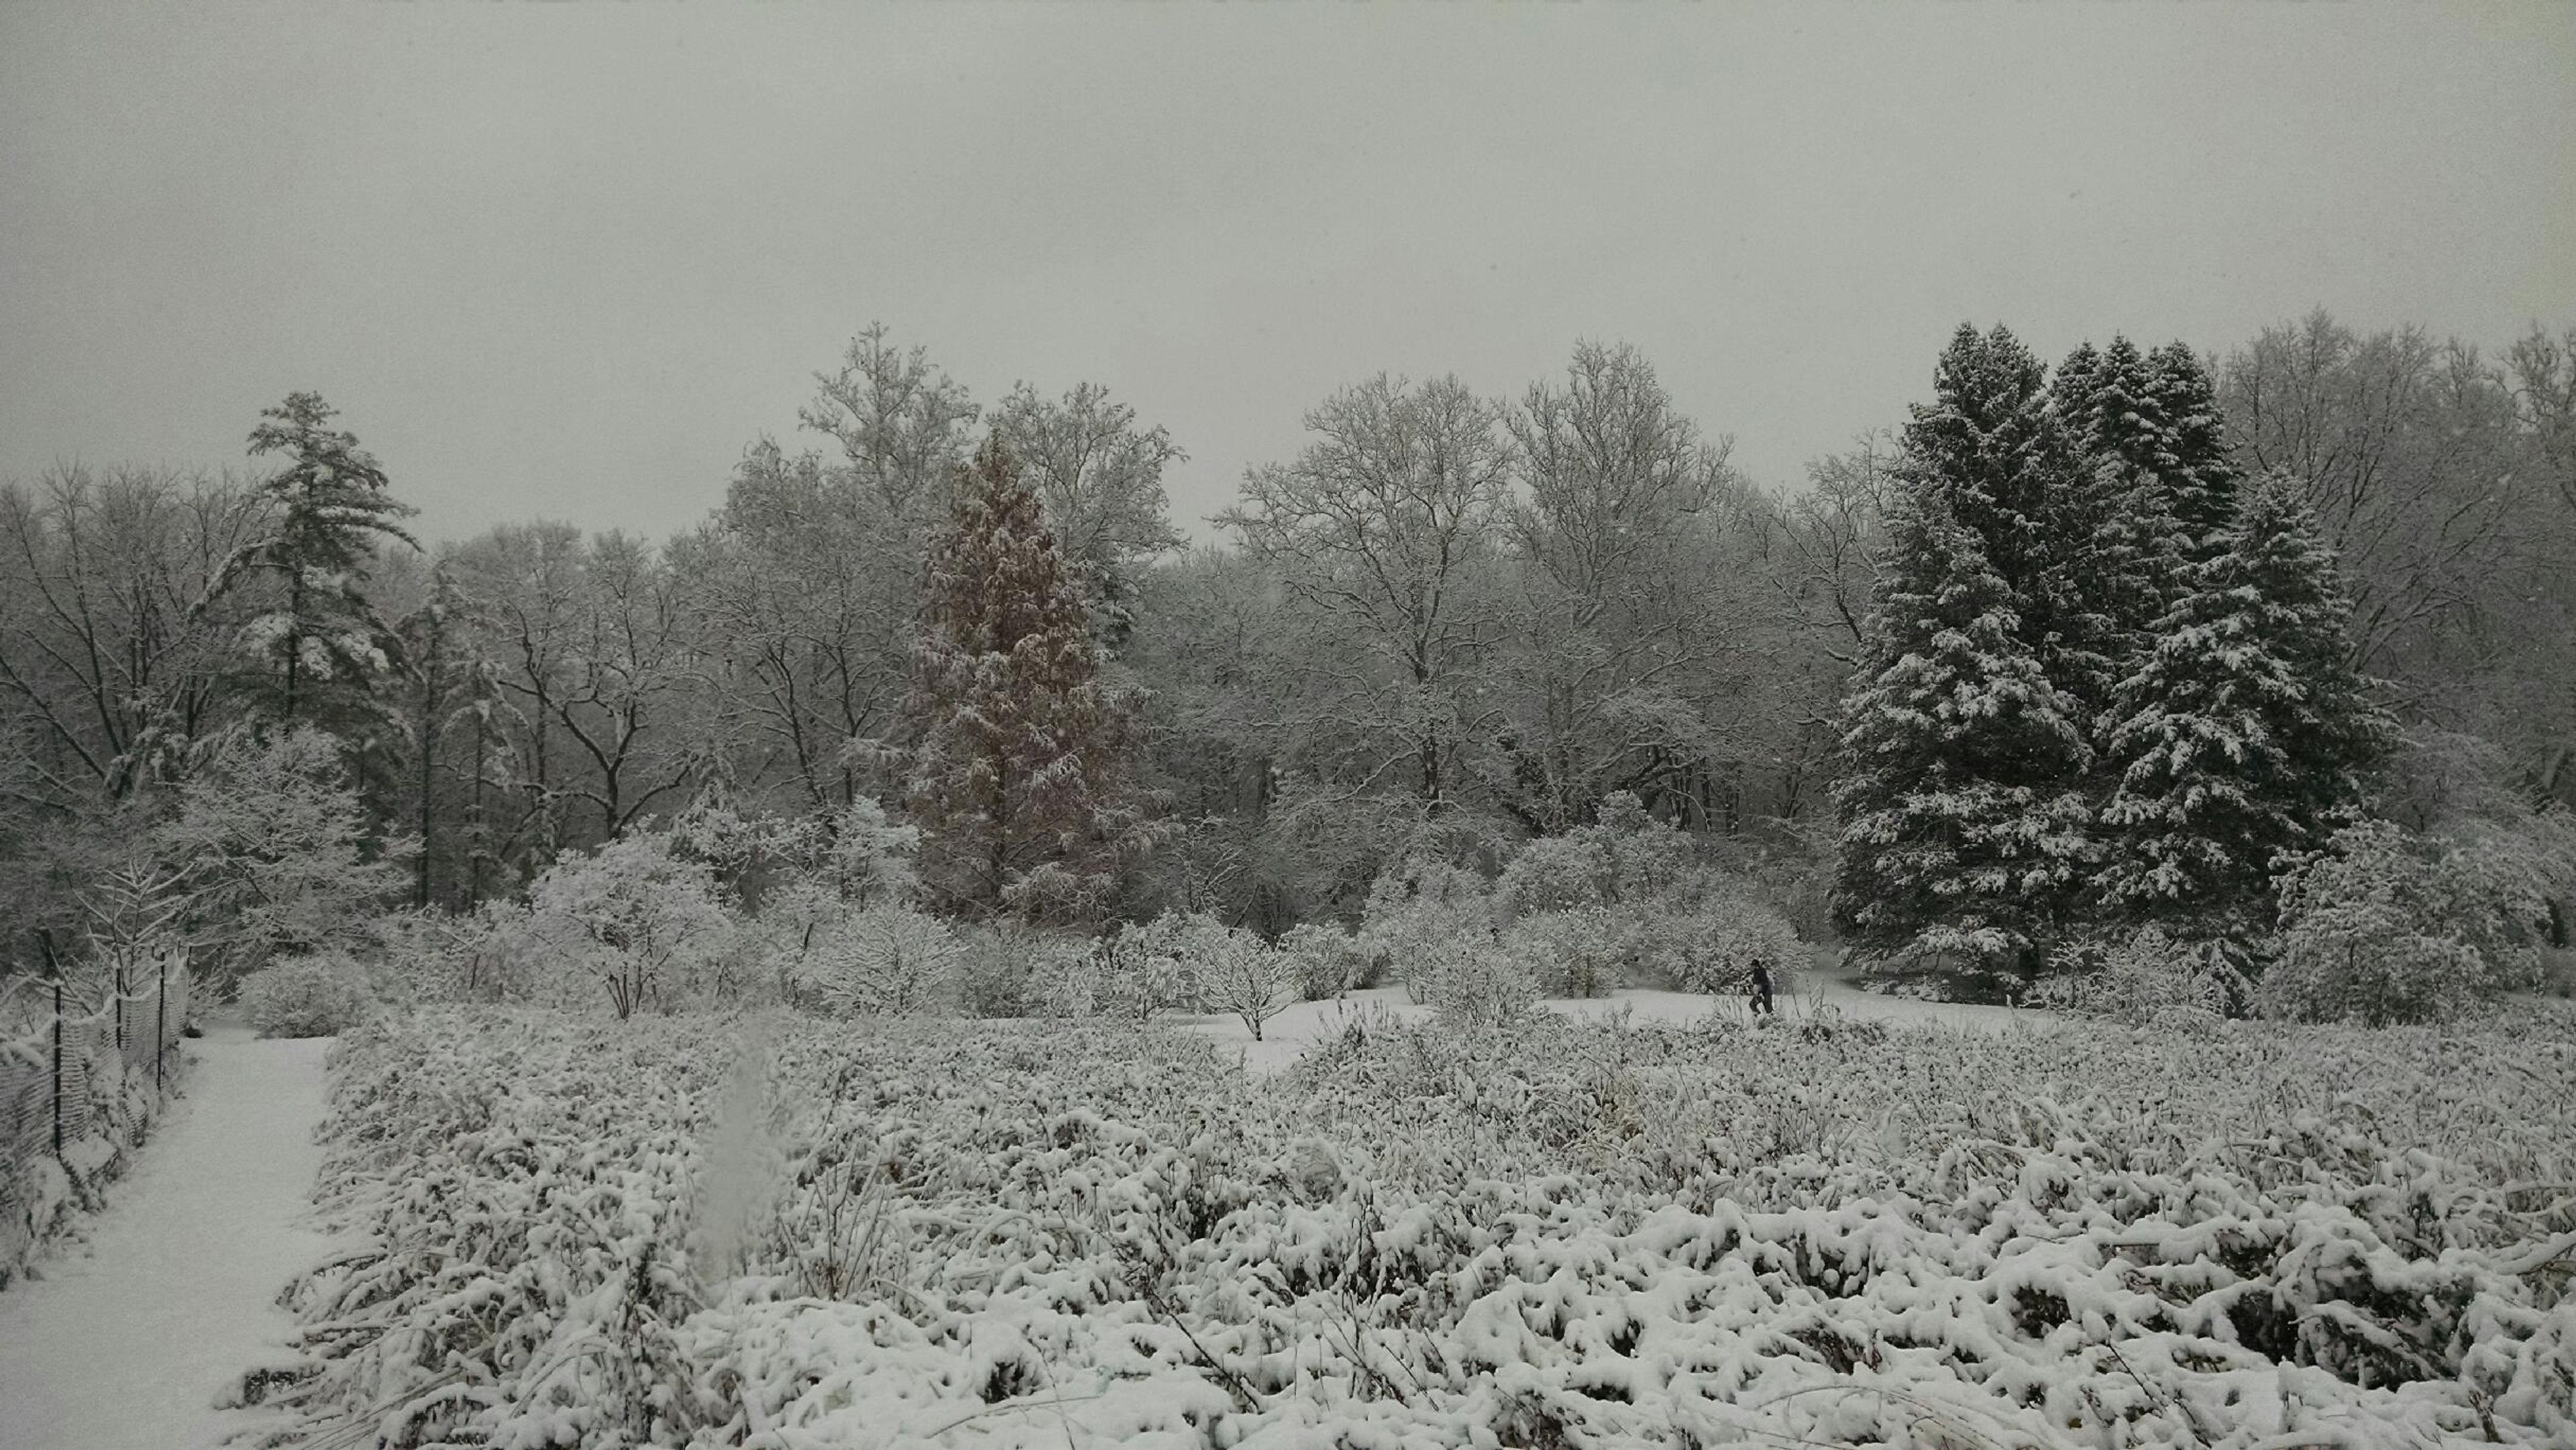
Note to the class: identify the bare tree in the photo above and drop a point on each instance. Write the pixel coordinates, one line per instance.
(1377, 532)
(98, 641)
(1100, 479)
(2400, 441)
(1619, 614)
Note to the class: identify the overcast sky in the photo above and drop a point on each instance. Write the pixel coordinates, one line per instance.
(567, 261)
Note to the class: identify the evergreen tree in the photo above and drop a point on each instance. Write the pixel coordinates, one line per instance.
(1964, 823)
(2242, 736)
(2122, 547)
(1020, 774)
(320, 640)
(2201, 481)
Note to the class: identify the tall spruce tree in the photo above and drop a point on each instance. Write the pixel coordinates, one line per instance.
(1966, 740)
(322, 645)
(2202, 477)
(2243, 734)
(1021, 778)
(1964, 822)
(2120, 547)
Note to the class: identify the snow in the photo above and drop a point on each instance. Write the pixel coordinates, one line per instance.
(1286, 1037)
(127, 1342)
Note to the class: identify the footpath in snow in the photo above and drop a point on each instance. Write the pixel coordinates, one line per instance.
(125, 1342)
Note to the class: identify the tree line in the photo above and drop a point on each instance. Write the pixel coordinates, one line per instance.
(2186, 614)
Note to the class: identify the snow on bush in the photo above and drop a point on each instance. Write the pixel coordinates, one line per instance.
(2387, 927)
(1140, 968)
(1715, 948)
(570, 1232)
(1327, 960)
(316, 995)
(1010, 969)
(1243, 976)
(631, 922)
(2143, 977)
(879, 961)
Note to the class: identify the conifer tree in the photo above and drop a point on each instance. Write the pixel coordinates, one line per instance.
(1966, 740)
(2242, 736)
(2201, 483)
(1020, 772)
(320, 640)
(2120, 547)
(1961, 764)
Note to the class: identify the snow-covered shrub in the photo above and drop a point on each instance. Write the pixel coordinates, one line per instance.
(1243, 976)
(1716, 948)
(2145, 977)
(1475, 984)
(1010, 969)
(1421, 919)
(970, 1233)
(1581, 952)
(271, 842)
(879, 961)
(1558, 873)
(1327, 960)
(1141, 968)
(319, 994)
(632, 922)
(2385, 927)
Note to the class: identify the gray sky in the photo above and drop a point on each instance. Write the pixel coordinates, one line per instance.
(566, 261)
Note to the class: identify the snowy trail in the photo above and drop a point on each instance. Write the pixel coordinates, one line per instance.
(125, 1344)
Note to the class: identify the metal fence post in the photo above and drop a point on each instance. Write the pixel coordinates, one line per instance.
(54, 966)
(160, 1019)
(58, 1067)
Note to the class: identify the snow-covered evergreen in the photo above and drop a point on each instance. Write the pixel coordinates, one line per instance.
(1965, 824)
(318, 639)
(2241, 737)
(1020, 777)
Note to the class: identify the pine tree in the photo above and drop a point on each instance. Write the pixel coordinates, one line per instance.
(2118, 547)
(1020, 777)
(2202, 479)
(2242, 736)
(1964, 823)
(320, 639)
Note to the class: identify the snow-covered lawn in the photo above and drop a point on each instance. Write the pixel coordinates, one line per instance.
(126, 1341)
(779, 1234)
(1286, 1037)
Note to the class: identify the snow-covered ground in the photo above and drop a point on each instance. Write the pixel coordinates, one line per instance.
(1285, 1038)
(126, 1341)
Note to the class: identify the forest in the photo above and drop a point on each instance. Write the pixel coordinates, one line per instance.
(2068, 654)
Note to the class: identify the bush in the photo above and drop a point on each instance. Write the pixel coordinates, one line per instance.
(2145, 979)
(1558, 873)
(1420, 918)
(1578, 953)
(881, 961)
(1141, 968)
(1327, 960)
(1011, 969)
(633, 921)
(2387, 927)
(1715, 948)
(320, 995)
(1243, 976)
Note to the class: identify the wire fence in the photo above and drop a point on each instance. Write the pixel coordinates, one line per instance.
(86, 1063)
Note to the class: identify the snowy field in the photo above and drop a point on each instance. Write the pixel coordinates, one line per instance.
(1822, 1229)
(1818, 997)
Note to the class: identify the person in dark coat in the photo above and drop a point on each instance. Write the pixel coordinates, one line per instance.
(1761, 986)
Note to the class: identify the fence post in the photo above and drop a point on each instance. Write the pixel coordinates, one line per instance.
(58, 1067)
(160, 1018)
